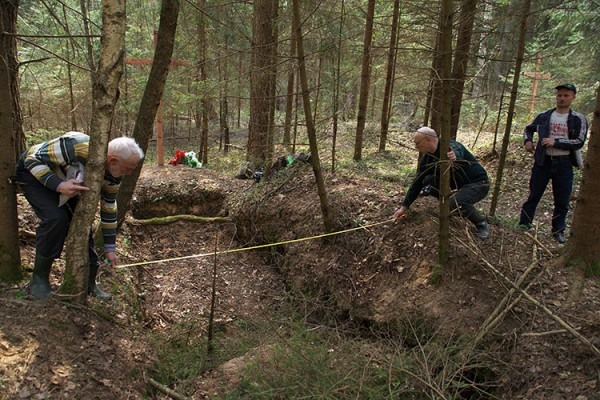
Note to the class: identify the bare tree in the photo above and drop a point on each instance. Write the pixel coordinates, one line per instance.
(104, 98)
(466, 20)
(10, 259)
(202, 113)
(261, 82)
(511, 105)
(336, 89)
(446, 85)
(272, 72)
(365, 77)
(435, 90)
(225, 142)
(144, 123)
(584, 245)
(289, 98)
(389, 79)
(310, 126)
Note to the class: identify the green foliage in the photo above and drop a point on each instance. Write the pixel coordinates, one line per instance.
(181, 354)
(42, 135)
(437, 275)
(405, 361)
(388, 166)
(592, 269)
(565, 37)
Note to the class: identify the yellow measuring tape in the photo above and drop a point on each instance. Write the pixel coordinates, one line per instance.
(253, 247)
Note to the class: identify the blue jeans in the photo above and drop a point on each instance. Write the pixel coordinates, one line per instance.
(560, 171)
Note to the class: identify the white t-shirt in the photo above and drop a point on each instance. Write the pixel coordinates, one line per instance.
(558, 130)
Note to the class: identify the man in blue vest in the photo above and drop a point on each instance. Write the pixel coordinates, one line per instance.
(561, 135)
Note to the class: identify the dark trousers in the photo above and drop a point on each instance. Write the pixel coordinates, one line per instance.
(560, 171)
(463, 199)
(54, 220)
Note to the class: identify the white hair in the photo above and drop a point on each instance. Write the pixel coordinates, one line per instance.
(125, 148)
(427, 131)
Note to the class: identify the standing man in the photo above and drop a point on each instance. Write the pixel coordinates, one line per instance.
(52, 174)
(468, 178)
(561, 135)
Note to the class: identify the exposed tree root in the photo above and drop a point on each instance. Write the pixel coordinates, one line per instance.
(169, 392)
(182, 217)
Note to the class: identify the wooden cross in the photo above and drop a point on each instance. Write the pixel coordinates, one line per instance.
(159, 121)
(536, 75)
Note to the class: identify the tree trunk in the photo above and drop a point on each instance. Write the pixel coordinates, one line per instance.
(204, 103)
(239, 90)
(428, 98)
(364, 82)
(296, 107)
(289, 98)
(10, 259)
(586, 218)
(260, 82)
(88, 39)
(389, 79)
(104, 98)
(272, 89)
(511, 106)
(319, 74)
(336, 89)
(436, 84)
(446, 100)
(69, 44)
(144, 123)
(461, 59)
(497, 126)
(310, 127)
(224, 106)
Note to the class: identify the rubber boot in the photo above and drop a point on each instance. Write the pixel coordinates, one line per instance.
(483, 231)
(93, 288)
(39, 284)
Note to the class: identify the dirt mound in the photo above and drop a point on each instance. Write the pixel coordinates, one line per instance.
(381, 275)
(177, 190)
(376, 276)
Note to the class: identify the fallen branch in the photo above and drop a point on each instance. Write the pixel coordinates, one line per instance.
(485, 329)
(166, 390)
(554, 332)
(537, 241)
(182, 217)
(25, 234)
(501, 309)
(556, 318)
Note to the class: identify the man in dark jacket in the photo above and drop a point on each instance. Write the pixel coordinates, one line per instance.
(468, 178)
(561, 135)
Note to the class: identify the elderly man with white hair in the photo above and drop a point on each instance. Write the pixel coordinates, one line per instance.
(52, 175)
(468, 179)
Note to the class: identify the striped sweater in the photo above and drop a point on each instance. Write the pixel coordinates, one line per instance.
(48, 161)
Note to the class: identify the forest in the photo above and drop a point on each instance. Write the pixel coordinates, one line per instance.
(259, 257)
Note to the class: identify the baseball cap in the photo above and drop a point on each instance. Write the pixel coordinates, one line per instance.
(567, 86)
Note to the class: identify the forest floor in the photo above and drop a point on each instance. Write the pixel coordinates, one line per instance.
(371, 277)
